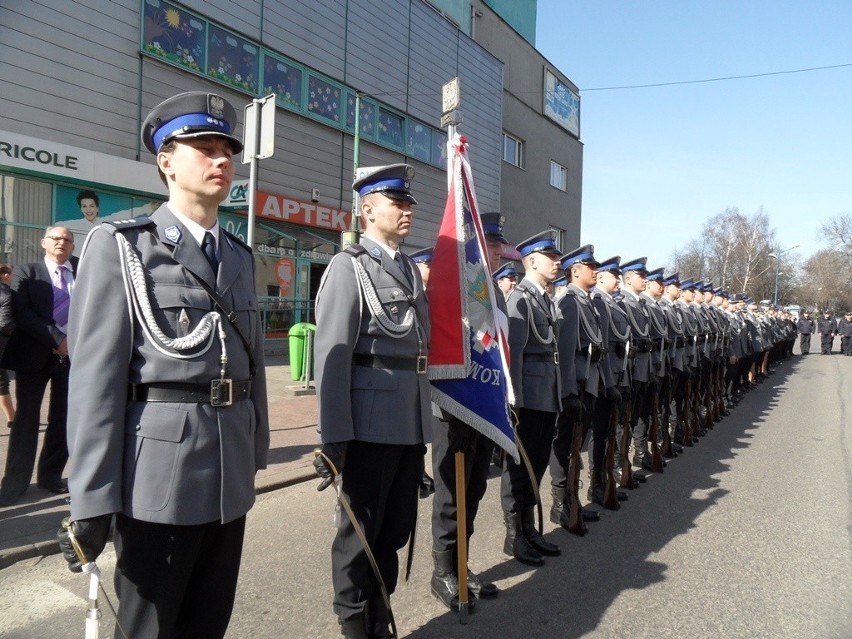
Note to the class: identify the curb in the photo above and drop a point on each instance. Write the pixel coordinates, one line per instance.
(46, 548)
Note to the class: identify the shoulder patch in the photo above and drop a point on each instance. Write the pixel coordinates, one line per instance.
(113, 226)
(355, 249)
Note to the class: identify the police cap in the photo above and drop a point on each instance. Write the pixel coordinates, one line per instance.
(423, 256)
(492, 226)
(582, 255)
(543, 242)
(610, 265)
(190, 115)
(638, 265)
(393, 181)
(505, 270)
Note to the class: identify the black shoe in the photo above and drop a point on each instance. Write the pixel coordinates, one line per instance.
(479, 589)
(57, 486)
(354, 627)
(10, 424)
(538, 542)
(8, 499)
(621, 495)
(517, 545)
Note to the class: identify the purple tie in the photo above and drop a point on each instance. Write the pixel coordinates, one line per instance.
(61, 298)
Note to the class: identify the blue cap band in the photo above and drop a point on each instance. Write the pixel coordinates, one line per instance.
(538, 246)
(380, 185)
(199, 121)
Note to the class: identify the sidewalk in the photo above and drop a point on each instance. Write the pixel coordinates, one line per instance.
(28, 529)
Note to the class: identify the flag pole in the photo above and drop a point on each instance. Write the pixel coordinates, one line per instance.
(450, 118)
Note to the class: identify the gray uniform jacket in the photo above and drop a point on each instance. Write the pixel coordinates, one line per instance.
(639, 336)
(676, 337)
(162, 462)
(659, 332)
(580, 344)
(362, 396)
(533, 335)
(617, 334)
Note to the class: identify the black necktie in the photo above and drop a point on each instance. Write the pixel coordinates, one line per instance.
(400, 262)
(208, 245)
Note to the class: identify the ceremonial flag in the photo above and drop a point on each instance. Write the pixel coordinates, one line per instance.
(468, 351)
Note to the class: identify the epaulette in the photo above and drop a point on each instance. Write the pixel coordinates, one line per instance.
(355, 249)
(113, 226)
(236, 239)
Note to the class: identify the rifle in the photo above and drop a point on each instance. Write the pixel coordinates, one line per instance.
(667, 415)
(626, 469)
(654, 431)
(575, 515)
(708, 398)
(685, 407)
(610, 500)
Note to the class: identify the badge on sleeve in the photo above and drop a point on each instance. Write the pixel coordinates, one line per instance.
(375, 251)
(172, 234)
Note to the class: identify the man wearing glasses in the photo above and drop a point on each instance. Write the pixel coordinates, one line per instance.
(38, 352)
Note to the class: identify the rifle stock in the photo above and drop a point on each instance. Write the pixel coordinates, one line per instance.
(654, 432)
(626, 469)
(667, 450)
(575, 514)
(685, 410)
(610, 500)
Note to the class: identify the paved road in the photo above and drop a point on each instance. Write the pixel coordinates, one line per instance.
(746, 535)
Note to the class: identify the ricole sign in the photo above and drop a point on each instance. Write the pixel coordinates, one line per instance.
(283, 208)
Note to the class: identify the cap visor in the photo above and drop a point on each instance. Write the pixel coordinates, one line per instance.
(236, 144)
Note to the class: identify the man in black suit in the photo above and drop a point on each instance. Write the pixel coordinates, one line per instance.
(38, 351)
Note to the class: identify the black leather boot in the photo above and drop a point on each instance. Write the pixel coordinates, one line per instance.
(479, 588)
(641, 457)
(427, 485)
(534, 537)
(516, 544)
(445, 585)
(558, 504)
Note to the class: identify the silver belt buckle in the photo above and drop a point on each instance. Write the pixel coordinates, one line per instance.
(221, 392)
(556, 357)
(422, 364)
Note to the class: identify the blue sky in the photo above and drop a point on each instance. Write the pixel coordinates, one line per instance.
(658, 162)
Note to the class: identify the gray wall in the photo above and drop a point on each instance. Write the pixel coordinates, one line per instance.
(93, 96)
(527, 199)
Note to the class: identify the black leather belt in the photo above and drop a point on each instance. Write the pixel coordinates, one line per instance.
(219, 392)
(390, 362)
(551, 358)
(680, 342)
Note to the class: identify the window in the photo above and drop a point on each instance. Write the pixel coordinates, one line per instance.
(513, 150)
(558, 176)
(558, 237)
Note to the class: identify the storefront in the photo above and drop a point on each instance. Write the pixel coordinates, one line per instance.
(44, 183)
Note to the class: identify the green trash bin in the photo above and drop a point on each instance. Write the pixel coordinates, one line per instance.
(298, 353)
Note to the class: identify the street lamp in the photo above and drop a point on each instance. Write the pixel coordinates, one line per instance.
(777, 257)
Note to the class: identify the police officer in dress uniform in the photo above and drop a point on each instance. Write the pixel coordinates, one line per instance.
(658, 332)
(371, 345)
(585, 376)
(457, 436)
(806, 326)
(675, 380)
(506, 277)
(167, 404)
(534, 367)
(633, 273)
(616, 328)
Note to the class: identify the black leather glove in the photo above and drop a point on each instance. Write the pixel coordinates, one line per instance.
(329, 462)
(572, 407)
(613, 395)
(90, 536)
(461, 437)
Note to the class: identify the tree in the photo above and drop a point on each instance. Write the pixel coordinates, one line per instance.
(838, 232)
(825, 283)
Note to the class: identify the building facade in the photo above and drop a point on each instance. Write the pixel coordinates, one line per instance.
(80, 75)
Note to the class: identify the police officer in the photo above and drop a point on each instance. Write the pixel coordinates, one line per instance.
(168, 304)
(585, 379)
(616, 329)
(457, 436)
(658, 332)
(373, 391)
(827, 327)
(844, 329)
(674, 382)
(506, 277)
(534, 368)
(806, 326)
(633, 273)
